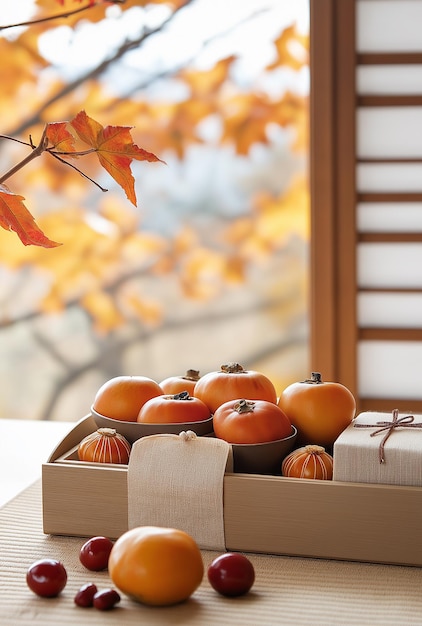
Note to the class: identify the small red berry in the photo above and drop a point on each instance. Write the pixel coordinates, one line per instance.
(106, 599)
(46, 577)
(95, 552)
(85, 595)
(231, 574)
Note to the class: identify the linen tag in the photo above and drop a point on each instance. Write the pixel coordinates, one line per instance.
(176, 481)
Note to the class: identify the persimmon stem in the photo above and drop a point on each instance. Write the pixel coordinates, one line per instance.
(192, 375)
(183, 395)
(315, 379)
(232, 368)
(244, 406)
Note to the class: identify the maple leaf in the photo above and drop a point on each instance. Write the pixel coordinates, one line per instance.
(115, 150)
(206, 83)
(292, 49)
(247, 119)
(59, 137)
(15, 216)
(174, 125)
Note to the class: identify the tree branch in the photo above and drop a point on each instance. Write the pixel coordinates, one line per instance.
(57, 156)
(111, 288)
(127, 46)
(36, 152)
(50, 18)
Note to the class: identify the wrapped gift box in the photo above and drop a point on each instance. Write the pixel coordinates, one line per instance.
(383, 448)
(263, 514)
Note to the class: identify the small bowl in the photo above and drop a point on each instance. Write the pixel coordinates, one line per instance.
(135, 430)
(262, 458)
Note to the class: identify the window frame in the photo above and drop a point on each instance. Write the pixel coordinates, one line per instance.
(334, 330)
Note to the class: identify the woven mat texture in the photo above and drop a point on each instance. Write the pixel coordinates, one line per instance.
(287, 590)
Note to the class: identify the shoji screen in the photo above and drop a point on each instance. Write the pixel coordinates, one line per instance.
(366, 187)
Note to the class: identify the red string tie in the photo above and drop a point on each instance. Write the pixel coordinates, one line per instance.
(388, 427)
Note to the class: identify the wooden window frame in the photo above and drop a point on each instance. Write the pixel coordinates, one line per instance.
(334, 331)
(333, 191)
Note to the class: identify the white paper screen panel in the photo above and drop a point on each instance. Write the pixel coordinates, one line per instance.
(389, 79)
(391, 217)
(389, 265)
(390, 369)
(399, 30)
(389, 177)
(389, 132)
(389, 310)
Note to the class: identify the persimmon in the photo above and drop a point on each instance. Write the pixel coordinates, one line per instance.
(155, 565)
(250, 421)
(122, 397)
(231, 382)
(319, 410)
(177, 384)
(177, 408)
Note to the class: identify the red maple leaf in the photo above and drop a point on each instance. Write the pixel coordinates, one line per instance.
(113, 146)
(59, 137)
(15, 216)
(115, 150)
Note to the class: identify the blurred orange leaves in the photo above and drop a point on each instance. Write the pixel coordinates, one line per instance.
(105, 247)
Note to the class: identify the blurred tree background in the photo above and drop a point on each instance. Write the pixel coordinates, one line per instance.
(212, 265)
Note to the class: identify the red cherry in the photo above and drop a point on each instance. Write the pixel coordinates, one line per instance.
(85, 595)
(95, 552)
(231, 574)
(106, 599)
(46, 578)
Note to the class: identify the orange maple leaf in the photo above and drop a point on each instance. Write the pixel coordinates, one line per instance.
(206, 83)
(247, 120)
(15, 216)
(59, 137)
(292, 49)
(115, 150)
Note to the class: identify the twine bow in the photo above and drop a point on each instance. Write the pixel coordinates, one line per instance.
(389, 427)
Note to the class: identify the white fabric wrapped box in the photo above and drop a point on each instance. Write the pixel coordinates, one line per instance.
(383, 448)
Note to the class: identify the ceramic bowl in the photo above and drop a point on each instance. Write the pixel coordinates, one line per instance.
(134, 430)
(262, 458)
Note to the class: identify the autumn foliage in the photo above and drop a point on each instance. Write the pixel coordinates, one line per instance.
(114, 148)
(67, 138)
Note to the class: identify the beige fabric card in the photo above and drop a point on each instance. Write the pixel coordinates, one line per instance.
(176, 481)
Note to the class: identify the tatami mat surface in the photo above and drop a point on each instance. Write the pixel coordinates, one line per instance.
(287, 591)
